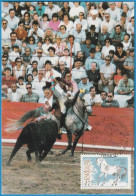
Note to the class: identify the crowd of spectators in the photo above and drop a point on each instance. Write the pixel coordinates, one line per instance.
(88, 45)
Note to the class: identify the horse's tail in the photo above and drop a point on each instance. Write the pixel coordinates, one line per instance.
(124, 174)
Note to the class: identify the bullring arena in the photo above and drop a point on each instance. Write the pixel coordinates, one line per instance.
(61, 174)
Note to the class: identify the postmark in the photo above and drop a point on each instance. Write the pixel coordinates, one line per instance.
(108, 171)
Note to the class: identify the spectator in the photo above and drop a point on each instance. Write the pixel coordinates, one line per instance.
(21, 83)
(14, 95)
(71, 84)
(26, 57)
(47, 99)
(8, 79)
(79, 34)
(118, 35)
(14, 54)
(62, 68)
(94, 20)
(35, 73)
(19, 69)
(93, 35)
(32, 66)
(51, 9)
(52, 57)
(125, 86)
(103, 96)
(73, 45)
(5, 32)
(126, 42)
(67, 22)
(5, 64)
(107, 71)
(50, 72)
(81, 21)
(40, 8)
(108, 46)
(49, 33)
(110, 102)
(62, 33)
(123, 21)
(92, 95)
(29, 78)
(39, 57)
(17, 9)
(103, 35)
(34, 18)
(129, 64)
(75, 10)
(93, 75)
(35, 31)
(4, 94)
(31, 44)
(78, 71)
(39, 82)
(80, 56)
(64, 9)
(130, 102)
(54, 23)
(12, 20)
(126, 11)
(14, 41)
(46, 45)
(108, 22)
(87, 47)
(20, 31)
(114, 12)
(67, 59)
(117, 77)
(120, 55)
(44, 23)
(6, 6)
(6, 49)
(91, 59)
(30, 96)
(27, 21)
(130, 30)
(59, 46)
(85, 84)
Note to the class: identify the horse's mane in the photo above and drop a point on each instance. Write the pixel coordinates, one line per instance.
(75, 98)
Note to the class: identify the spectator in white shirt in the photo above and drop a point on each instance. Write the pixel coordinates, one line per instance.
(79, 34)
(94, 20)
(74, 11)
(114, 11)
(78, 71)
(81, 21)
(39, 57)
(35, 31)
(12, 20)
(39, 82)
(108, 22)
(51, 9)
(5, 31)
(73, 45)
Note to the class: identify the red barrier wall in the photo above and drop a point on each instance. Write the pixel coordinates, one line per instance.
(111, 126)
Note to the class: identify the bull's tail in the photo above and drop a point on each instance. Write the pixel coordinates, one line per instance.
(17, 146)
(124, 174)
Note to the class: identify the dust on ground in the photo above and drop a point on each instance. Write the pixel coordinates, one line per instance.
(55, 175)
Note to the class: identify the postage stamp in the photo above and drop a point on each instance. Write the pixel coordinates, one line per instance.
(108, 171)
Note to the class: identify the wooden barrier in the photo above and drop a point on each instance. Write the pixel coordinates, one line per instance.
(113, 128)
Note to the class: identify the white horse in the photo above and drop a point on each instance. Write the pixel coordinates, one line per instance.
(107, 169)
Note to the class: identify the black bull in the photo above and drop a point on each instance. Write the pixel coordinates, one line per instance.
(39, 138)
